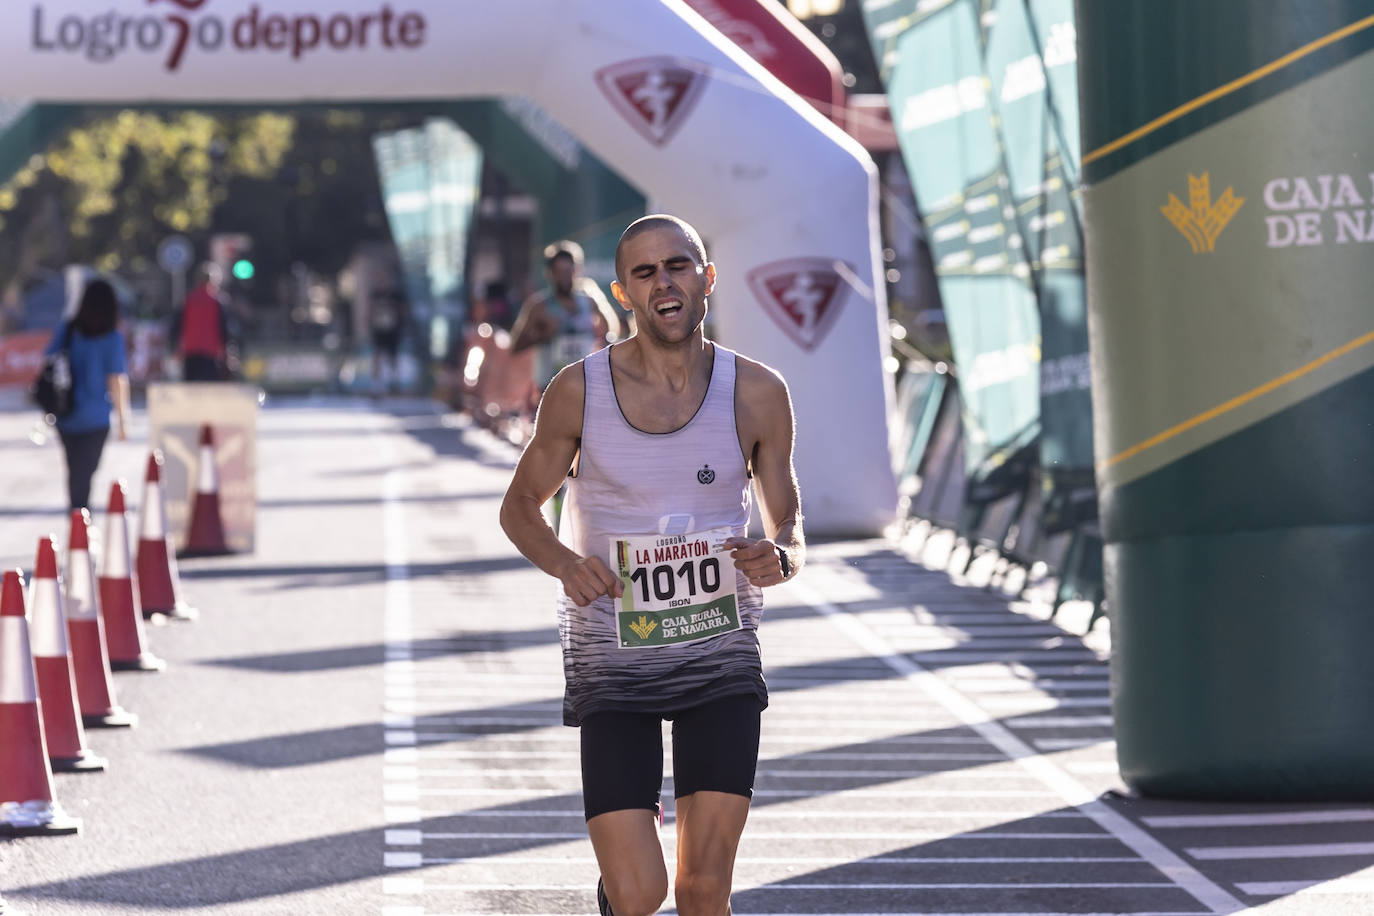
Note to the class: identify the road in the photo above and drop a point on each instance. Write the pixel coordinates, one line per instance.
(365, 719)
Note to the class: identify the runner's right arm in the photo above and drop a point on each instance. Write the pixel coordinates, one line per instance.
(538, 475)
(533, 326)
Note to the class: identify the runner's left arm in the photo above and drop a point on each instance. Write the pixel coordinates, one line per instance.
(764, 408)
(605, 319)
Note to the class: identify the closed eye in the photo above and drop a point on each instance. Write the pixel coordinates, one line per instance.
(674, 265)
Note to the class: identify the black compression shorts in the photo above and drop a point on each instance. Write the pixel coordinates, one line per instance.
(715, 749)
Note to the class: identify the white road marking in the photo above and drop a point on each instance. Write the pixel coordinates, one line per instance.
(534, 793)
(1017, 685)
(789, 835)
(576, 755)
(1065, 885)
(771, 815)
(1074, 793)
(1002, 701)
(1092, 767)
(1362, 886)
(522, 861)
(1265, 819)
(1069, 744)
(1292, 851)
(419, 911)
(763, 772)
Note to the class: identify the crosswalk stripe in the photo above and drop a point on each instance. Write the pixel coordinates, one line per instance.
(1292, 851)
(1362, 886)
(1264, 819)
(1206, 891)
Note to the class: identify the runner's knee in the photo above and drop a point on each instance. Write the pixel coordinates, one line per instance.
(636, 894)
(701, 892)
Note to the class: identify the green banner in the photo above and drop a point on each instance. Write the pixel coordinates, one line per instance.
(1031, 58)
(945, 121)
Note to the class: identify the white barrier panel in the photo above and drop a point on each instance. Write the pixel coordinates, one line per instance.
(785, 200)
(176, 413)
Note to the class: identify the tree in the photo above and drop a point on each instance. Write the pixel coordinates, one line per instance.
(302, 183)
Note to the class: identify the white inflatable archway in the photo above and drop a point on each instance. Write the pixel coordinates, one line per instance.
(785, 200)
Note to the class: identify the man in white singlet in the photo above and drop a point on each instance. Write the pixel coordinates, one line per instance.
(665, 439)
(568, 320)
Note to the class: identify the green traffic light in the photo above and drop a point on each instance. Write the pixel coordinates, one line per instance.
(243, 269)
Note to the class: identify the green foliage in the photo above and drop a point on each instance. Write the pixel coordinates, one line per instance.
(301, 183)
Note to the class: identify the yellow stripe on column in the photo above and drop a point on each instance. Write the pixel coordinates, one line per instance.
(1252, 394)
(1247, 79)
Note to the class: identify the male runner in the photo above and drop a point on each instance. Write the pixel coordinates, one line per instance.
(667, 435)
(568, 320)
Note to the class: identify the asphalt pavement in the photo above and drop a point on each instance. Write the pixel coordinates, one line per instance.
(365, 719)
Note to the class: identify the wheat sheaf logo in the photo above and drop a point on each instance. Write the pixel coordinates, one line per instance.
(1202, 220)
(643, 626)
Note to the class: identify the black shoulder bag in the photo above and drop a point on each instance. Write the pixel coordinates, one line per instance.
(52, 389)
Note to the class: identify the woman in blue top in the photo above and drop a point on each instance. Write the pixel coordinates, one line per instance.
(99, 380)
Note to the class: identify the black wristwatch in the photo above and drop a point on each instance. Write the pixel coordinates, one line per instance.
(786, 563)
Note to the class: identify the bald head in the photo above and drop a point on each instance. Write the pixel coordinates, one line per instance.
(658, 221)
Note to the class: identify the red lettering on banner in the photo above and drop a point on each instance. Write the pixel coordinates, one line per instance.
(412, 30)
(274, 32)
(181, 35)
(305, 34)
(249, 19)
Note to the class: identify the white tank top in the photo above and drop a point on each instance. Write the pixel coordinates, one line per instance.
(575, 338)
(634, 483)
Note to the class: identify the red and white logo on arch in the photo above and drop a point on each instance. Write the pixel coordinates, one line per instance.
(655, 94)
(803, 295)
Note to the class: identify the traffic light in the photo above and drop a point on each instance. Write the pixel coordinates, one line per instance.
(243, 269)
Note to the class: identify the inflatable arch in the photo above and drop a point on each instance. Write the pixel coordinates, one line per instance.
(785, 200)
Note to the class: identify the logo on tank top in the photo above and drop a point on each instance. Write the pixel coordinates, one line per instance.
(655, 94)
(803, 295)
(706, 475)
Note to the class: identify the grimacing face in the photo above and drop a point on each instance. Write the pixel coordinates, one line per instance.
(664, 284)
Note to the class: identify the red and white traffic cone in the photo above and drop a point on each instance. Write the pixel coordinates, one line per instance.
(27, 806)
(205, 535)
(52, 660)
(90, 658)
(159, 586)
(118, 596)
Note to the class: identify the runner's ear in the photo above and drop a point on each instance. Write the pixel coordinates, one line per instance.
(619, 292)
(710, 277)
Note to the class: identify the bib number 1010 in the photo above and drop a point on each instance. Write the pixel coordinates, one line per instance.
(678, 588)
(663, 579)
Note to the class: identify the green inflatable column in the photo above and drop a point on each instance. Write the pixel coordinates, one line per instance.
(1228, 162)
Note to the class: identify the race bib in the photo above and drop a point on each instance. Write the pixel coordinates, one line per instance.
(569, 348)
(679, 588)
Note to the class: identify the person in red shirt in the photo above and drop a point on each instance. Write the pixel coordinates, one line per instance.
(200, 331)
